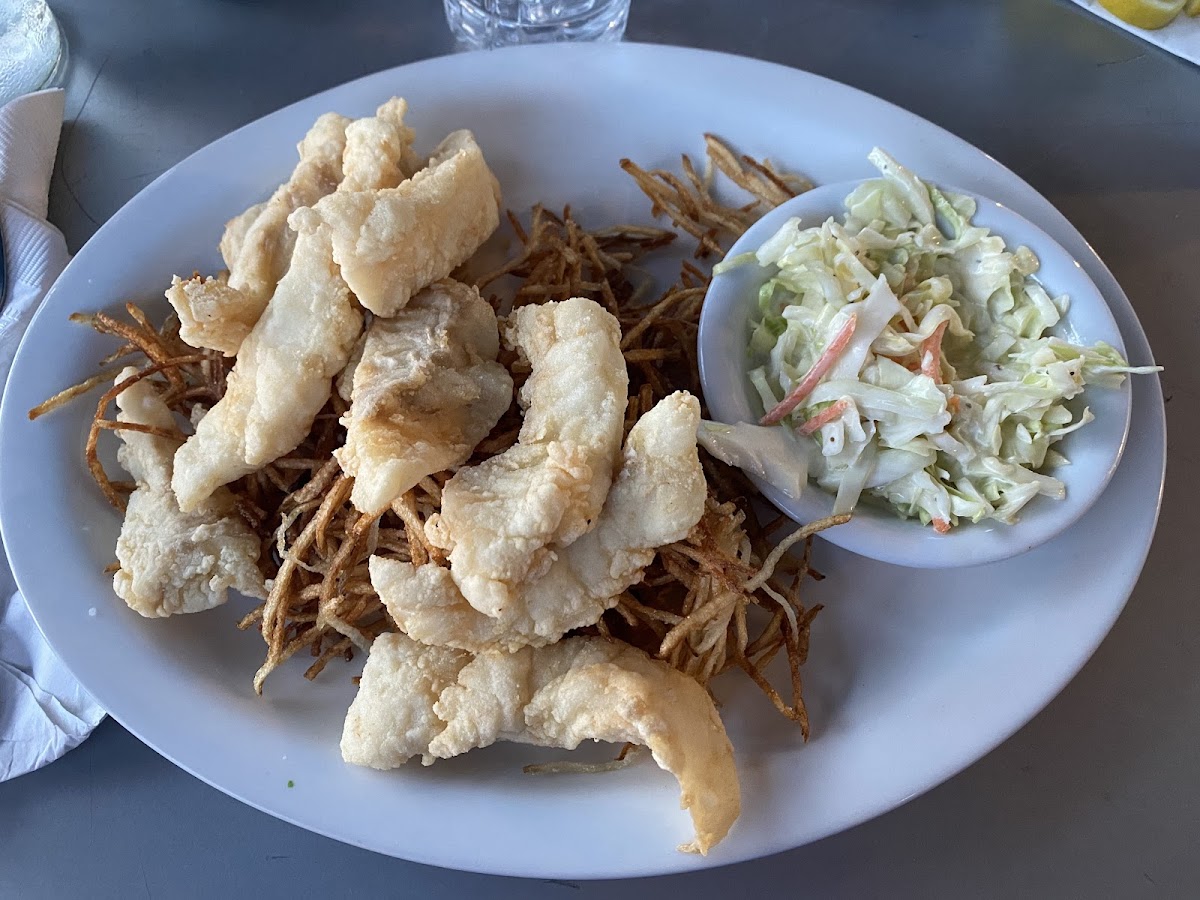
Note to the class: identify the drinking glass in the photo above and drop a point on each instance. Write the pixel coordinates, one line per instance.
(483, 24)
(33, 53)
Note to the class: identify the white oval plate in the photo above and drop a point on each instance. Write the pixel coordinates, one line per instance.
(913, 674)
(875, 530)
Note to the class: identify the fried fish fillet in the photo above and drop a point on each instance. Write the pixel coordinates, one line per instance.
(264, 253)
(426, 390)
(172, 561)
(212, 313)
(504, 520)
(657, 499)
(283, 374)
(390, 243)
(237, 229)
(379, 150)
(438, 702)
(257, 247)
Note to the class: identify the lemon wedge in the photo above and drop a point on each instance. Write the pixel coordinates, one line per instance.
(1146, 13)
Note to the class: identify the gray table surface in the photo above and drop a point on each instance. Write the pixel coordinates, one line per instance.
(1097, 797)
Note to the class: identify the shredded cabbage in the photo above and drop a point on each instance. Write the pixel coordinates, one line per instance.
(954, 393)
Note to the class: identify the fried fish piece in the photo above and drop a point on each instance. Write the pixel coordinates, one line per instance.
(283, 374)
(426, 390)
(504, 520)
(257, 247)
(172, 561)
(264, 253)
(379, 151)
(438, 702)
(337, 154)
(390, 243)
(237, 229)
(657, 499)
(212, 313)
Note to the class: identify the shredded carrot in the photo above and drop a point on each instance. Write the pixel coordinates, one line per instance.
(941, 526)
(824, 417)
(931, 354)
(814, 375)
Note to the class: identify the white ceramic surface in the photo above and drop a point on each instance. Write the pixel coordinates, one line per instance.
(875, 531)
(913, 674)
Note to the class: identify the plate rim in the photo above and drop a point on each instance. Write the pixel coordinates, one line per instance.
(666, 54)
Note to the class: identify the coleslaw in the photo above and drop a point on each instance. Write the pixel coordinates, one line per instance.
(902, 354)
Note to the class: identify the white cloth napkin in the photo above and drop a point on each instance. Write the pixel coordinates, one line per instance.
(44, 711)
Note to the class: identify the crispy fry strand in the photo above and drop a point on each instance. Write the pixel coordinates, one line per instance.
(63, 397)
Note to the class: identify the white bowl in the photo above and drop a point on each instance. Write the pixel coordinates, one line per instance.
(876, 531)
